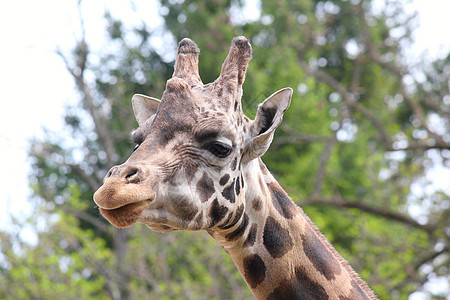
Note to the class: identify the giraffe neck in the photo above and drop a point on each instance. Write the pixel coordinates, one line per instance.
(280, 253)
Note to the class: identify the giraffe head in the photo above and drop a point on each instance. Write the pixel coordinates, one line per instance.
(192, 147)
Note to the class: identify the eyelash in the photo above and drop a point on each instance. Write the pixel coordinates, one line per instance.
(218, 149)
(135, 147)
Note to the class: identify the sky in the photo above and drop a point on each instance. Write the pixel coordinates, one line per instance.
(35, 85)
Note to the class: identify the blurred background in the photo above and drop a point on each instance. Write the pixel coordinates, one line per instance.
(364, 147)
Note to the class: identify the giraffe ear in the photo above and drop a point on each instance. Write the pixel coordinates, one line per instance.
(268, 117)
(144, 107)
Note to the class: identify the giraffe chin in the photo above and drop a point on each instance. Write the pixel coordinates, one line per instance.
(126, 215)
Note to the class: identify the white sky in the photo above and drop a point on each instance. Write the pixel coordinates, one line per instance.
(34, 83)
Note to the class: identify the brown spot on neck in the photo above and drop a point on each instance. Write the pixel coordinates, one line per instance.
(281, 201)
(254, 270)
(299, 287)
(257, 203)
(276, 239)
(320, 256)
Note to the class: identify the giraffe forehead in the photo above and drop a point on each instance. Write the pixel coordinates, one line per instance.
(203, 121)
(213, 96)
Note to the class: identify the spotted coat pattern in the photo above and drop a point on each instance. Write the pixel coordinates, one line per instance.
(197, 166)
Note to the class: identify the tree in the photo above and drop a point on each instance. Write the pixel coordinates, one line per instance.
(363, 130)
(358, 136)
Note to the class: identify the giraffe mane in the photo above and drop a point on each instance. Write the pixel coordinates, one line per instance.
(365, 288)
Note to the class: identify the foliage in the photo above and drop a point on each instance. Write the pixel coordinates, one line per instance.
(356, 144)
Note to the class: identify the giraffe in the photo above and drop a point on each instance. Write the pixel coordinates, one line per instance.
(197, 166)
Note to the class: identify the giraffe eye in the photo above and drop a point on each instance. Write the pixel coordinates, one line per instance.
(135, 147)
(220, 150)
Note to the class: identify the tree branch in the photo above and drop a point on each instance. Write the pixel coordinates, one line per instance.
(343, 203)
(412, 271)
(78, 74)
(82, 215)
(349, 99)
(430, 256)
(420, 145)
(400, 74)
(93, 182)
(435, 106)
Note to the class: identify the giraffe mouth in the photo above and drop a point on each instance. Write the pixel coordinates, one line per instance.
(125, 215)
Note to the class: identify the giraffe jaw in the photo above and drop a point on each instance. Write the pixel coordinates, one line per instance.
(125, 215)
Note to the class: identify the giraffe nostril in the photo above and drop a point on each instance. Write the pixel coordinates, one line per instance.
(112, 172)
(132, 174)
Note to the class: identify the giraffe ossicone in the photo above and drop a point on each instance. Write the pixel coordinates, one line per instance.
(197, 166)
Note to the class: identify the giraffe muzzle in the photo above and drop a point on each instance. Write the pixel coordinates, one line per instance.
(124, 195)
